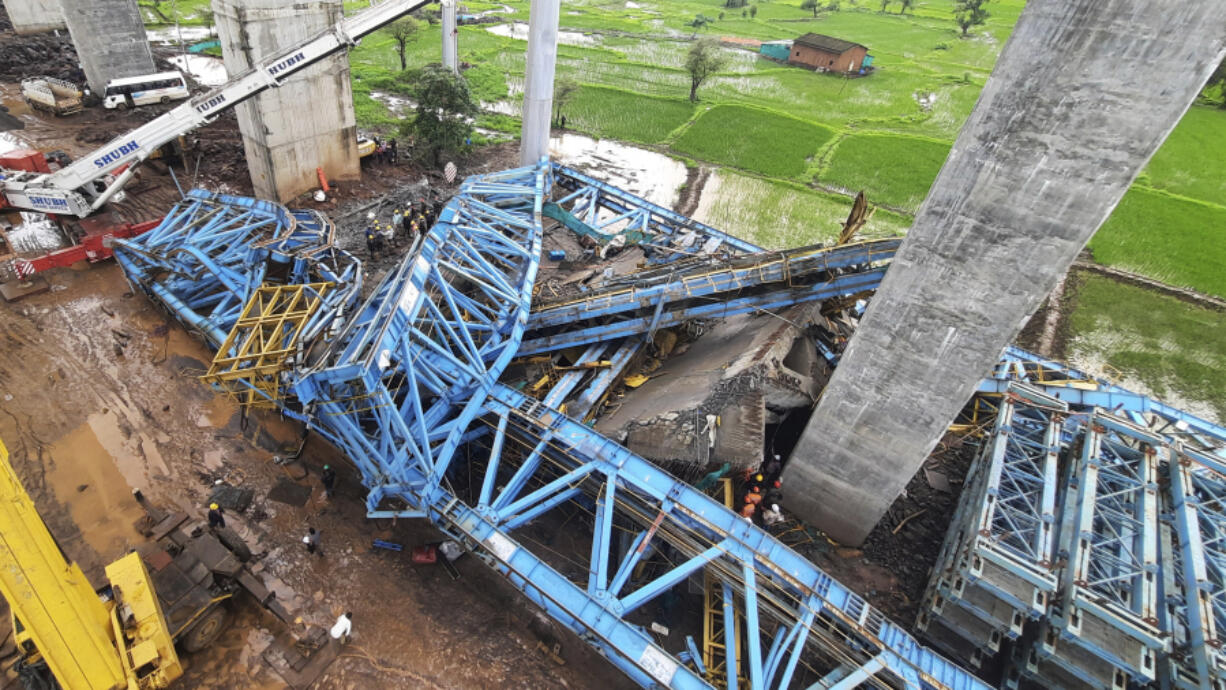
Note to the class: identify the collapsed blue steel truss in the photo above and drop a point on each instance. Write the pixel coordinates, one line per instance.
(212, 251)
(408, 388)
(1097, 513)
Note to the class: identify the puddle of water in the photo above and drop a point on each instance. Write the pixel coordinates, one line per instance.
(505, 9)
(519, 31)
(398, 105)
(648, 174)
(91, 474)
(217, 412)
(175, 35)
(501, 107)
(208, 70)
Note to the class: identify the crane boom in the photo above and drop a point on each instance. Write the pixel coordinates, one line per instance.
(84, 186)
(51, 596)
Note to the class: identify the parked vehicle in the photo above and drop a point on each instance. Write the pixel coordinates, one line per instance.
(130, 92)
(52, 95)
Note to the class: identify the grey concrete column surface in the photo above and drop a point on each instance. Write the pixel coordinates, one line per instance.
(538, 82)
(1081, 97)
(110, 39)
(451, 37)
(308, 121)
(32, 16)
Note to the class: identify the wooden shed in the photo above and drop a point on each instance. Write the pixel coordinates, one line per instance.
(827, 53)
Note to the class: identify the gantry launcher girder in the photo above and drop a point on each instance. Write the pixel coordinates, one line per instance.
(1090, 534)
(410, 377)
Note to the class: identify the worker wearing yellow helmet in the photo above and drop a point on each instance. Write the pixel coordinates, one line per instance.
(216, 518)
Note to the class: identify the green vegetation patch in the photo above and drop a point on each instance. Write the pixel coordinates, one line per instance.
(617, 114)
(1174, 349)
(778, 215)
(754, 139)
(1175, 240)
(894, 170)
(1192, 161)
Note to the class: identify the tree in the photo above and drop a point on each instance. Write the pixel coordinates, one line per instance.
(811, 5)
(1218, 79)
(885, 4)
(445, 111)
(753, 11)
(906, 5)
(403, 30)
(744, 13)
(564, 89)
(968, 13)
(699, 22)
(703, 60)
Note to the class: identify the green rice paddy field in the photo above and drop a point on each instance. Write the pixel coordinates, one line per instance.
(788, 144)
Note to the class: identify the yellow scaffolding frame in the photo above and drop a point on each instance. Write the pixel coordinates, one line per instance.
(248, 365)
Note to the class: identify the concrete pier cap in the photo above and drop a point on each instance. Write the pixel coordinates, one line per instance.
(306, 123)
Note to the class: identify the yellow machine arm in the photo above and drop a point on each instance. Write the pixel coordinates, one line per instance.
(75, 632)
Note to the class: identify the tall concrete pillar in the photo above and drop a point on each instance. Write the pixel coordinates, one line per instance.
(1082, 95)
(538, 82)
(308, 121)
(32, 16)
(451, 36)
(110, 39)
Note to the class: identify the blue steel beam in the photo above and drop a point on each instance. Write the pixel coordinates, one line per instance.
(842, 286)
(586, 198)
(1064, 382)
(710, 279)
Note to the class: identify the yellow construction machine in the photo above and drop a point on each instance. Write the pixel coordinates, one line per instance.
(173, 590)
(115, 638)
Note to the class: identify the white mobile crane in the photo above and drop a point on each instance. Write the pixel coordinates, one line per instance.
(84, 186)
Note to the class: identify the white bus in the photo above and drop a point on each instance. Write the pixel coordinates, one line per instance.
(129, 92)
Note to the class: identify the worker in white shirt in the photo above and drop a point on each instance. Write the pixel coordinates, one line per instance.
(342, 628)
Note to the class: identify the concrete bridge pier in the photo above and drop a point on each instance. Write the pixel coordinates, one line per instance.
(1083, 94)
(308, 121)
(110, 39)
(33, 16)
(538, 82)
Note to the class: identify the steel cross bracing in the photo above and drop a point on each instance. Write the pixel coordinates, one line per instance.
(1135, 500)
(667, 235)
(1111, 538)
(212, 253)
(412, 374)
(405, 377)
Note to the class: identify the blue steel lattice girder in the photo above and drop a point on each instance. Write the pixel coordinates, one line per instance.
(776, 567)
(415, 368)
(1199, 496)
(1112, 542)
(708, 279)
(637, 212)
(433, 336)
(1080, 389)
(841, 286)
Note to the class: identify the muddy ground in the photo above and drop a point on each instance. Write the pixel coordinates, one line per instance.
(85, 425)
